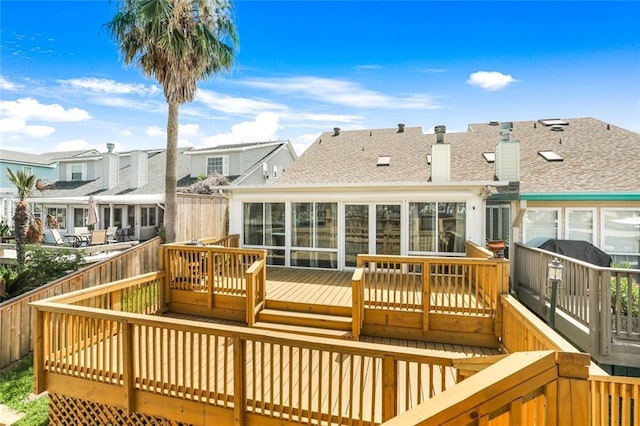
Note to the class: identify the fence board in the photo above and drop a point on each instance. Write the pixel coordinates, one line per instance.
(16, 315)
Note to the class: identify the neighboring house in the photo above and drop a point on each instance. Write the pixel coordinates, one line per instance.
(243, 164)
(400, 191)
(39, 165)
(129, 187)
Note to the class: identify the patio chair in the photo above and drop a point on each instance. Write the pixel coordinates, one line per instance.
(52, 236)
(112, 234)
(98, 236)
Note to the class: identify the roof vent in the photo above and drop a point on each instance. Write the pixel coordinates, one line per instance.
(557, 128)
(400, 128)
(505, 130)
(110, 146)
(493, 123)
(336, 131)
(440, 131)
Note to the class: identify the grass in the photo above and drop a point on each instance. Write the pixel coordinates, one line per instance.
(16, 383)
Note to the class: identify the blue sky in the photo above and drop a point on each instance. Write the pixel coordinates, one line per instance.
(304, 67)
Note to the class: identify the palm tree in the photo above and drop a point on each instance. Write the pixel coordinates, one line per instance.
(24, 183)
(178, 43)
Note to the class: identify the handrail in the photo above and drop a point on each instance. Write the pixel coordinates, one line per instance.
(552, 384)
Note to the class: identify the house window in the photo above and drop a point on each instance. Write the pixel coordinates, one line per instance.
(437, 227)
(621, 236)
(59, 214)
(148, 216)
(218, 165)
(264, 226)
(579, 225)
(313, 234)
(80, 217)
(498, 222)
(540, 225)
(27, 169)
(77, 172)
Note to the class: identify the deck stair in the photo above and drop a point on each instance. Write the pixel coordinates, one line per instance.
(307, 319)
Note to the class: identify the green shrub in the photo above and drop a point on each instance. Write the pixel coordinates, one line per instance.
(624, 283)
(43, 266)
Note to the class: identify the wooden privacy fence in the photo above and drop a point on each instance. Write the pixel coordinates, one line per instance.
(90, 347)
(16, 316)
(594, 304)
(212, 280)
(201, 215)
(431, 293)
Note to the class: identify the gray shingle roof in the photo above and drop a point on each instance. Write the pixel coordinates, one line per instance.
(597, 157)
(25, 158)
(155, 183)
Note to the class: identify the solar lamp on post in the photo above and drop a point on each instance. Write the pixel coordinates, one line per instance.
(554, 275)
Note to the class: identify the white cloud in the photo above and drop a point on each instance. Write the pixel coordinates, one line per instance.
(490, 80)
(125, 132)
(101, 85)
(20, 127)
(188, 130)
(155, 131)
(367, 67)
(31, 109)
(263, 128)
(342, 92)
(7, 85)
(73, 145)
(302, 142)
(235, 105)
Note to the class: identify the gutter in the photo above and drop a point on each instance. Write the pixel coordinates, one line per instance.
(580, 196)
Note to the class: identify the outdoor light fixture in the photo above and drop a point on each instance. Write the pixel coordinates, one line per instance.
(554, 274)
(555, 270)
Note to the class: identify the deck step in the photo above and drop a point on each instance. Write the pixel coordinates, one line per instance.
(311, 308)
(305, 319)
(308, 331)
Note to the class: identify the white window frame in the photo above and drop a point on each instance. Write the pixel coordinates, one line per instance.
(594, 227)
(558, 211)
(83, 171)
(601, 241)
(225, 164)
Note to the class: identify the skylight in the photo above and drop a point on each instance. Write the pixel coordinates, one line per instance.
(550, 156)
(553, 122)
(490, 157)
(384, 160)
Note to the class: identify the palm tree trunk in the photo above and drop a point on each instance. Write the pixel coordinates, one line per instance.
(170, 199)
(21, 222)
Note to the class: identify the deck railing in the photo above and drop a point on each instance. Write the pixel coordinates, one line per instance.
(594, 304)
(428, 286)
(16, 315)
(86, 349)
(211, 269)
(526, 388)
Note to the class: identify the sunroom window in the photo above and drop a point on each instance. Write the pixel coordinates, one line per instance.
(621, 236)
(264, 226)
(540, 226)
(314, 235)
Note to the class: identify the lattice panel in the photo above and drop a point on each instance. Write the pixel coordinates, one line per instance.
(65, 410)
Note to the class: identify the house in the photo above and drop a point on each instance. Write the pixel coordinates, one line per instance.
(42, 166)
(129, 186)
(399, 191)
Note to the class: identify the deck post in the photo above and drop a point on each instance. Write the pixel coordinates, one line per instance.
(573, 389)
(426, 295)
(389, 388)
(605, 311)
(128, 379)
(212, 258)
(357, 302)
(239, 381)
(38, 351)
